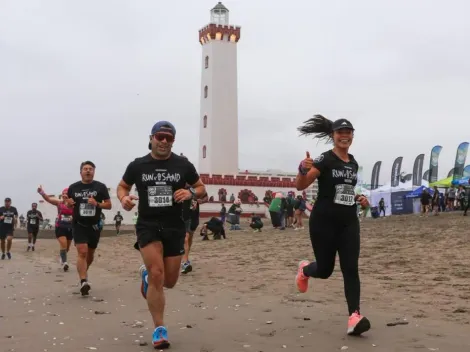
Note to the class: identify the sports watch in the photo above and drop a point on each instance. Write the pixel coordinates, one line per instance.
(193, 192)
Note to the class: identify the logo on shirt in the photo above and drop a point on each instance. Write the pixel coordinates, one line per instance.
(161, 177)
(348, 175)
(318, 159)
(86, 194)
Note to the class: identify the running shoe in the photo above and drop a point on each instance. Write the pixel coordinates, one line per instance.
(65, 266)
(85, 288)
(300, 279)
(160, 338)
(3, 256)
(9, 255)
(357, 324)
(144, 285)
(187, 267)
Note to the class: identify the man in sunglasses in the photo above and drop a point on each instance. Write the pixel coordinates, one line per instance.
(160, 178)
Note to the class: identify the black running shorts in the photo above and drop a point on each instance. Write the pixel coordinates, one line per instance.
(172, 239)
(85, 234)
(64, 232)
(4, 233)
(33, 230)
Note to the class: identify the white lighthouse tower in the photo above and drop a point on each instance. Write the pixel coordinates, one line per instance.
(218, 137)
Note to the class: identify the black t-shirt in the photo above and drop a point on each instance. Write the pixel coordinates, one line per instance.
(84, 213)
(425, 197)
(336, 184)
(33, 217)
(118, 219)
(381, 204)
(9, 217)
(156, 182)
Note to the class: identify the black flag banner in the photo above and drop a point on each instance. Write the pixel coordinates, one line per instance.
(418, 170)
(396, 170)
(374, 182)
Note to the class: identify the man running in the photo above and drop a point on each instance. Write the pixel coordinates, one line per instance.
(160, 178)
(117, 220)
(33, 217)
(8, 222)
(334, 225)
(193, 224)
(88, 198)
(63, 224)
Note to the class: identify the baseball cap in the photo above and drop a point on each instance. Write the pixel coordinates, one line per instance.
(342, 124)
(162, 126)
(7, 199)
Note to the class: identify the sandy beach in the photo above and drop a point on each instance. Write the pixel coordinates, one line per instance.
(241, 295)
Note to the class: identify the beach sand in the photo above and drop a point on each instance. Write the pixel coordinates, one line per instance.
(241, 294)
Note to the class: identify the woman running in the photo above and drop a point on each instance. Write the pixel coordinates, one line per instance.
(334, 226)
(63, 226)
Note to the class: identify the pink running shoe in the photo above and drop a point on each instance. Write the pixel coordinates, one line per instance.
(357, 324)
(300, 279)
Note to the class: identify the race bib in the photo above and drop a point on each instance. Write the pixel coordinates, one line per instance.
(66, 218)
(8, 220)
(32, 221)
(160, 196)
(344, 195)
(87, 210)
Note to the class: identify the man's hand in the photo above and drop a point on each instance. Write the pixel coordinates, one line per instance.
(69, 202)
(181, 195)
(128, 203)
(92, 201)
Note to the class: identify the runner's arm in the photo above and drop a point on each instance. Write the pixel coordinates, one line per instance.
(193, 178)
(303, 181)
(51, 200)
(123, 190)
(106, 203)
(15, 218)
(199, 189)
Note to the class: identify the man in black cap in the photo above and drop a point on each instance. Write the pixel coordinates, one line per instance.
(160, 178)
(8, 221)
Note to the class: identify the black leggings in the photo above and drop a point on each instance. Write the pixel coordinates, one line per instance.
(381, 210)
(329, 238)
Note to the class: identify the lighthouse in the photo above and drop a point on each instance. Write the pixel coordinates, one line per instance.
(218, 137)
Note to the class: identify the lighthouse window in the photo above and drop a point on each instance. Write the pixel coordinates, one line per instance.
(205, 121)
(204, 152)
(205, 91)
(206, 64)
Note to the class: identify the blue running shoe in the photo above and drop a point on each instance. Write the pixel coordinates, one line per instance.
(160, 338)
(144, 276)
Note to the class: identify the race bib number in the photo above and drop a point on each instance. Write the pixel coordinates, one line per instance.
(160, 196)
(8, 220)
(32, 221)
(66, 218)
(345, 195)
(87, 210)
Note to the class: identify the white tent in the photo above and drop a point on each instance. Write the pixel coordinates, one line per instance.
(386, 191)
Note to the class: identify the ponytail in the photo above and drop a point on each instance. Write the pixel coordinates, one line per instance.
(319, 125)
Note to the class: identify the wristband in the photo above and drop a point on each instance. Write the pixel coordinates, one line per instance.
(302, 170)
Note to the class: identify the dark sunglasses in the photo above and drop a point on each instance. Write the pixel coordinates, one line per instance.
(161, 136)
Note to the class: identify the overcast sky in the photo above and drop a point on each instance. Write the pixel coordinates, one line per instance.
(87, 79)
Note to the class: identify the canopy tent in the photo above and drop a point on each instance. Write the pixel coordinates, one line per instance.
(465, 181)
(444, 183)
(418, 192)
